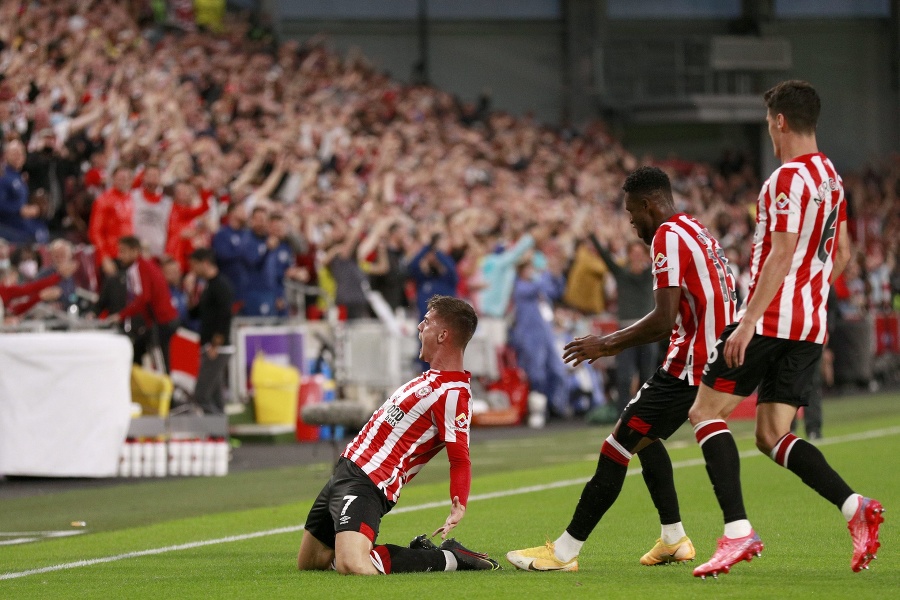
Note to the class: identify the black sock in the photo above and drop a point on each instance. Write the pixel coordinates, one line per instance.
(598, 495)
(398, 559)
(808, 463)
(723, 465)
(657, 471)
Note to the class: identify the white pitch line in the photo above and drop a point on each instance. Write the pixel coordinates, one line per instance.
(853, 437)
(24, 537)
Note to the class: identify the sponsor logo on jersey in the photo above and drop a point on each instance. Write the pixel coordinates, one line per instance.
(660, 263)
(393, 415)
(422, 392)
(782, 204)
(461, 421)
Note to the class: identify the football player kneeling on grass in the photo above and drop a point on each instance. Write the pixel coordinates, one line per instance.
(423, 416)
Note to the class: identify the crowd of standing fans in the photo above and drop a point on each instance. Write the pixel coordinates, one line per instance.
(302, 169)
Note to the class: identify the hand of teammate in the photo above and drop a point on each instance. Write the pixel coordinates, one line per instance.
(736, 345)
(457, 512)
(588, 348)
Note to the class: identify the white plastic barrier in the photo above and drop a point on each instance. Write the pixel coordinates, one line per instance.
(65, 403)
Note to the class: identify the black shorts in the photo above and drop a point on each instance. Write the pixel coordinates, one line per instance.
(348, 502)
(782, 369)
(661, 406)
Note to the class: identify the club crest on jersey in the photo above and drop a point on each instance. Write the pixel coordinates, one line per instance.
(422, 392)
(461, 421)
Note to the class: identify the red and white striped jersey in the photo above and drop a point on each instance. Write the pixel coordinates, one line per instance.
(414, 424)
(804, 196)
(686, 255)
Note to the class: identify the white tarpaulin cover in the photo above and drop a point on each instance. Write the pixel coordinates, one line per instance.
(65, 403)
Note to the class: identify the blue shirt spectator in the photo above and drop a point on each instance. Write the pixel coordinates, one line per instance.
(19, 221)
(433, 272)
(229, 246)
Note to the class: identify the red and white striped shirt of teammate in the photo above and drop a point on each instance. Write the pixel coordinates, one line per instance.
(686, 255)
(804, 196)
(414, 424)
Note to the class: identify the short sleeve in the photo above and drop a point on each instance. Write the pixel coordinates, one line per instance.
(784, 201)
(453, 415)
(667, 261)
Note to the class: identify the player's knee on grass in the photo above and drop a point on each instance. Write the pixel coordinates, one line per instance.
(352, 554)
(313, 554)
(353, 564)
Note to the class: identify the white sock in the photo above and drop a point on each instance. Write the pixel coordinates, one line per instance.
(566, 547)
(738, 529)
(672, 533)
(850, 506)
(451, 561)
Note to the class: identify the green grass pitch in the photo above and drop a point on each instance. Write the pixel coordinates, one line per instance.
(237, 537)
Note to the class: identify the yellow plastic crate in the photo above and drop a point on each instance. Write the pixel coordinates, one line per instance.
(153, 391)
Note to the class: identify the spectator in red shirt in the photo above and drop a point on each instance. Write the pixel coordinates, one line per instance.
(181, 232)
(112, 219)
(148, 298)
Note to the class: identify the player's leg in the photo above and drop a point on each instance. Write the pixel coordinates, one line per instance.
(721, 390)
(423, 556)
(795, 373)
(664, 411)
(353, 554)
(317, 546)
(314, 555)
(673, 544)
(707, 416)
(597, 497)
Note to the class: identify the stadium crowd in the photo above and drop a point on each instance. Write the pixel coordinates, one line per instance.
(301, 167)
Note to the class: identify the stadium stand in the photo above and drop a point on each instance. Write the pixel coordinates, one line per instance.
(341, 174)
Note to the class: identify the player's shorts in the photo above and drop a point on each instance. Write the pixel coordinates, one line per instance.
(782, 369)
(348, 502)
(661, 406)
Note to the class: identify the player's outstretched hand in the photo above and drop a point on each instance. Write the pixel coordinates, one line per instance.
(588, 348)
(457, 512)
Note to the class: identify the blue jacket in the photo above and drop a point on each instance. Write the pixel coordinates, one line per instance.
(13, 196)
(228, 244)
(429, 284)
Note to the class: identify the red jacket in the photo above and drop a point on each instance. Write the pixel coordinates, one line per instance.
(112, 217)
(180, 218)
(19, 298)
(152, 299)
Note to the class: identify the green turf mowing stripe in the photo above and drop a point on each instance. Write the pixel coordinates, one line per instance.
(853, 437)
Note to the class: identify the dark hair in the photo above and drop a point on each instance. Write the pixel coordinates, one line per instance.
(645, 180)
(259, 209)
(457, 315)
(203, 255)
(130, 241)
(798, 102)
